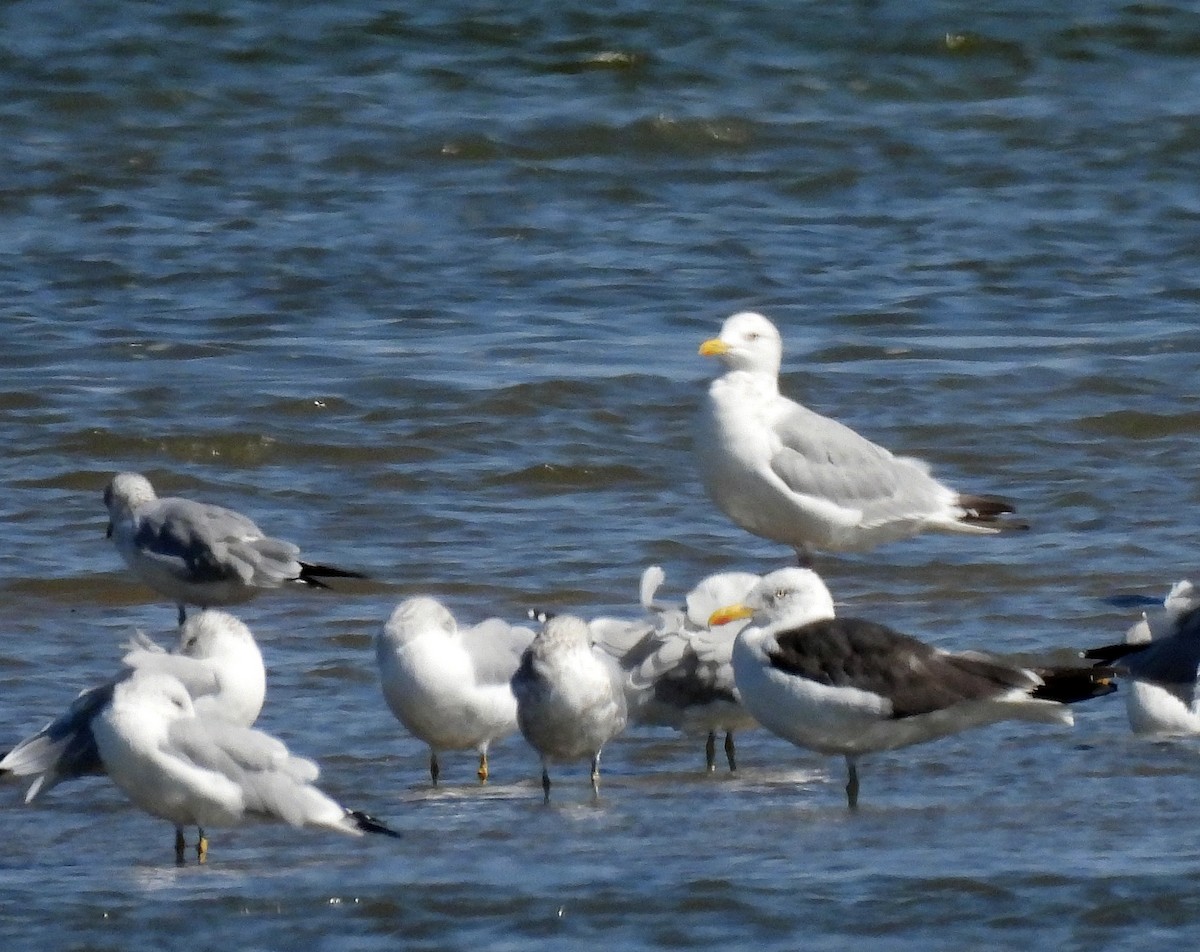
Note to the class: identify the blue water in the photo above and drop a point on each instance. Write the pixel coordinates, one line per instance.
(422, 288)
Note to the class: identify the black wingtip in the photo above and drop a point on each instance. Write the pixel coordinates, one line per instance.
(1072, 685)
(1106, 654)
(311, 573)
(989, 511)
(368, 824)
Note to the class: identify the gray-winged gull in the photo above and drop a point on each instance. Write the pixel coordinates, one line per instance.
(204, 771)
(450, 686)
(200, 554)
(677, 667)
(217, 661)
(785, 473)
(570, 701)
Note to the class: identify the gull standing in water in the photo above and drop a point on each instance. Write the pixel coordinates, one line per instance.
(570, 701)
(852, 687)
(200, 554)
(785, 473)
(678, 667)
(203, 771)
(216, 660)
(1160, 662)
(450, 687)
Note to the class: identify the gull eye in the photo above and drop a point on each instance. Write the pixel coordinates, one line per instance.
(781, 593)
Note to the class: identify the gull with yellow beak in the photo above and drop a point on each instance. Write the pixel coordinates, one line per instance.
(852, 687)
(785, 473)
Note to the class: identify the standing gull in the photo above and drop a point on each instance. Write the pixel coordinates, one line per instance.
(204, 771)
(569, 697)
(1160, 660)
(450, 687)
(200, 554)
(783, 472)
(216, 660)
(678, 668)
(852, 687)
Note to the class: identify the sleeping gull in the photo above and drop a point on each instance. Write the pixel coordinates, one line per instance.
(450, 687)
(678, 669)
(204, 771)
(783, 472)
(200, 554)
(216, 660)
(851, 687)
(569, 697)
(1160, 658)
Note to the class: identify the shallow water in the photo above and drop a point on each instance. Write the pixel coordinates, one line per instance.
(423, 289)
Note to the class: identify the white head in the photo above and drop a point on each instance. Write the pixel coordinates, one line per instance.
(564, 631)
(748, 341)
(125, 492)
(416, 616)
(717, 591)
(787, 598)
(212, 634)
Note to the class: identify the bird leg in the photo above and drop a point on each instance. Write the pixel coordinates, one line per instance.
(201, 846)
(730, 754)
(180, 845)
(596, 774)
(182, 613)
(804, 557)
(546, 783)
(710, 751)
(852, 785)
(483, 767)
(435, 770)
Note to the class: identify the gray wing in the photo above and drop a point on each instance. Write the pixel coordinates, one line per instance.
(206, 543)
(822, 458)
(274, 784)
(64, 749)
(627, 641)
(496, 647)
(231, 749)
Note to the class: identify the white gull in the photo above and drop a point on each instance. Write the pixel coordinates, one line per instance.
(785, 473)
(204, 771)
(450, 686)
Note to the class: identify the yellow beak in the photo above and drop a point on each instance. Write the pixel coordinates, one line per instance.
(713, 348)
(723, 616)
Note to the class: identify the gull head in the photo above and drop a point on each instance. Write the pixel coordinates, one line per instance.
(124, 493)
(788, 597)
(212, 634)
(748, 341)
(564, 632)
(717, 591)
(417, 616)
